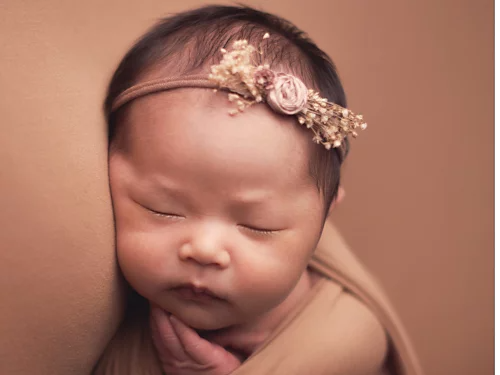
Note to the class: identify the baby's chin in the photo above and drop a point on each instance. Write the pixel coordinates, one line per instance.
(203, 323)
(202, 320)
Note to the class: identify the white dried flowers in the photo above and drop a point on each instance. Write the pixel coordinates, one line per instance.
(284, 93)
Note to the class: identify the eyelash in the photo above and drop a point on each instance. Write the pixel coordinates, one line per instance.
(164, 214)
(259, 230)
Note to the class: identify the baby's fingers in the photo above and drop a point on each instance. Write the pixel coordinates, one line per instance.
(167, 343)
(206, 354)
(199, 349)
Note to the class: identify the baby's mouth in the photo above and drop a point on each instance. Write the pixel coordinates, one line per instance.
(196, 293)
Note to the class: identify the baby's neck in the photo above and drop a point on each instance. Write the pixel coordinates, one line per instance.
(244, 339)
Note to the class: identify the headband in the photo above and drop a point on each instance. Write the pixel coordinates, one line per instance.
(249, 84)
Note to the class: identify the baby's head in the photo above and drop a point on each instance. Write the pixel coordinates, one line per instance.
(232, 206)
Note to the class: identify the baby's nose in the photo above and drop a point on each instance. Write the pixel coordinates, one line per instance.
(204, 254)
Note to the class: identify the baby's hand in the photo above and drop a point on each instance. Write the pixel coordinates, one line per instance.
(183, 352)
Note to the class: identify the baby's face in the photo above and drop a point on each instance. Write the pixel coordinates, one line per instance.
(216, 215)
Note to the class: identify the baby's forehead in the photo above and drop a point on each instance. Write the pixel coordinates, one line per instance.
(195, 124)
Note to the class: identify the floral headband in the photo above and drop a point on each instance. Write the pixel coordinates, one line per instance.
(249, 84)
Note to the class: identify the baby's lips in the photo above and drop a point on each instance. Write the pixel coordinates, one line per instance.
(198, 289)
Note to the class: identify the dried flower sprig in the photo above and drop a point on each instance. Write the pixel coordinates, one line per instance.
(284, 93)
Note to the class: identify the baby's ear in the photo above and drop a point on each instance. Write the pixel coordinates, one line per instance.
(337, 200)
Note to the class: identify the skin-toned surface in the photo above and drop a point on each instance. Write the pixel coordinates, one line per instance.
(60, 290)
(419, 182)
(217, 202)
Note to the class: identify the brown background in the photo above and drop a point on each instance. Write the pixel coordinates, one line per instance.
(419, 181)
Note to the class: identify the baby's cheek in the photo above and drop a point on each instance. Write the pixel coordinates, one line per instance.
(265, 283)
(141, 262)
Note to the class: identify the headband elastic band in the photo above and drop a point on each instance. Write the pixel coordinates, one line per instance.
(162, 84)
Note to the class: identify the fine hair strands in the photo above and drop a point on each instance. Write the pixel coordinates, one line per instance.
(189, 43)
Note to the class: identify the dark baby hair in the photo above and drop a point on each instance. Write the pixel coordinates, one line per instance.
(190, 42)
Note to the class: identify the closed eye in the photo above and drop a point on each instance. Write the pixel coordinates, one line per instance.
(260, 230)
(167, 214)
(164, 214)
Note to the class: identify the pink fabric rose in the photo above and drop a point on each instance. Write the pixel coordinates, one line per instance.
(289, 94)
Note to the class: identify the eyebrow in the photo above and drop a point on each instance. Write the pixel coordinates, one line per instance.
(251, 199)
(168, 189)
(245, 199)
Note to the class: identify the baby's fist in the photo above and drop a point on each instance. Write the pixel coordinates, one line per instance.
(183, 352)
